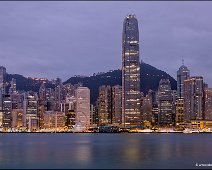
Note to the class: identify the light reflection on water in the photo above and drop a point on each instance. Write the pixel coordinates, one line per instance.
(104, 150)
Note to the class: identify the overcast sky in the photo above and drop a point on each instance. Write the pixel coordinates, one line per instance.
(62, 39)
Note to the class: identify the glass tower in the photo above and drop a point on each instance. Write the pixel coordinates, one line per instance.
(130, 72)
(182, 74)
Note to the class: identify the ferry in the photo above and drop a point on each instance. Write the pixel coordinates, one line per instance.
(187, 130)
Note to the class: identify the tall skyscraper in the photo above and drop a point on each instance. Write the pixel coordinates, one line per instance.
(30, 105)
(193, 99)
(83, 106)
(208, 103)
(130, 72)
(182, 74)
(105, 105)
(7, 111)
(2, 79)
(165, 102)
(116, 104)
(13, 86)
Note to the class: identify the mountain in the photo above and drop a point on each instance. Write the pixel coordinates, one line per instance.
(150, 77)
(25, 84)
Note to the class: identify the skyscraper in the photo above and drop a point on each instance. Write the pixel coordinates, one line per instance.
(193, 98)
(116, 104)
(208, 103)
(105, 105)
(165, 102)
(30, 105)
(2, 79)
(182, 74)
(83, 106)
(130, 72)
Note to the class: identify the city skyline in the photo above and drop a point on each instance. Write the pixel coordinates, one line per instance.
(39, 37)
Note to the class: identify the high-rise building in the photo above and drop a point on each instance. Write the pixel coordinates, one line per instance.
(165, 103)
(7, 111)
(116, 104)
(17, 119)
(12, 86)
(208, 103)
(83, 106)
(182, 74)
(3, 79)
(105, 105)
(146, 109)
(193, 98)
(130, 72)
(31, 111)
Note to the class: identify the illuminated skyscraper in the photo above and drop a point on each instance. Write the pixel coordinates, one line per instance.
(83, 106)
(182, 74)
(7, 111)
(2, 79)
(30, 105)
(105, 105)
(165, 102)
(130, 72)
(208, 103)
(116, 104)
(193, 99)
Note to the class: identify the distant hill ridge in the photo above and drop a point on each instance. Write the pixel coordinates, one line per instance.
(150, 77)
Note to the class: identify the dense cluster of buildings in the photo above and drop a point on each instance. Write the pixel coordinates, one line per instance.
(67, 106)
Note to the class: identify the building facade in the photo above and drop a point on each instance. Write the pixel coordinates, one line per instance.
(130, 72)
(193, 98)
(165, 103)
(83, 106)
(208, 103)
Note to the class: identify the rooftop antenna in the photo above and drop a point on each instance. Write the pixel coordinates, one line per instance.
(182, 61)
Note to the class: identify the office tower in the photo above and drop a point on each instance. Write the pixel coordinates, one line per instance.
(83, 106)
(3, 79)
(12, 88)
(153, 96)
(165, 102)
(70, 110)
(31, 111)
(17, 119)
(179, 111)
(116, 104)
(96, 113)
(146, 109)
(17, 100)
(193, 99)
(1, 109)
(7, 112)
(174, 100)
(182, 74)
(208, 103)
(42, 92)
(105, 105)
(130, 72)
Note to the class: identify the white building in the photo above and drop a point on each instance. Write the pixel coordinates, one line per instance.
(83, 106)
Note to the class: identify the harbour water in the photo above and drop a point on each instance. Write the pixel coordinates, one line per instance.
(104, 150)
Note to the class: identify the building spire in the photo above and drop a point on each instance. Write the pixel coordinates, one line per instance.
(182, 61)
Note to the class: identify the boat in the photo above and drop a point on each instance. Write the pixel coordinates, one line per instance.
(187, 130)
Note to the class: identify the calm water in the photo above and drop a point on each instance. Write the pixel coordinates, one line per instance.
(104, 150)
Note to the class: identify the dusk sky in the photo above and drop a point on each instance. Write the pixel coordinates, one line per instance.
(61, 39)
